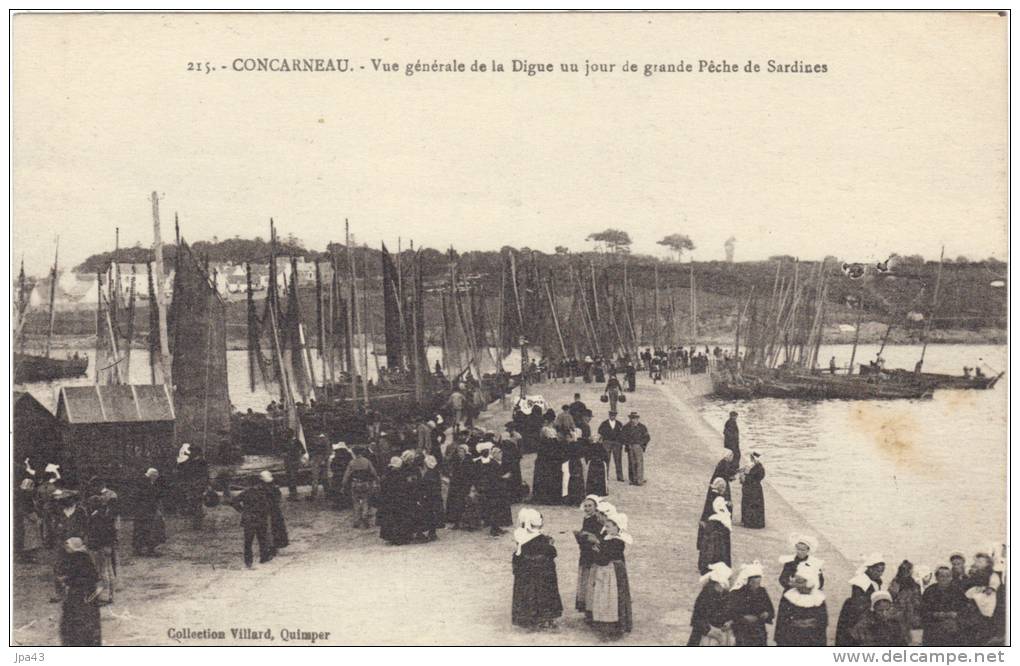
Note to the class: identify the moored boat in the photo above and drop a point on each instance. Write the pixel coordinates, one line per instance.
(938, 380)
(36, 368)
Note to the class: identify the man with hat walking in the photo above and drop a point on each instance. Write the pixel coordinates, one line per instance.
(611, 436)
(70, 521)
(318, 455)
(635, 439)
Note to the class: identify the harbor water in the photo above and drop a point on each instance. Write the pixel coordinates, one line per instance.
(914, 479)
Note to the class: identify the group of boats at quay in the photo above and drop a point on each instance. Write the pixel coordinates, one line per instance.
(321, 375)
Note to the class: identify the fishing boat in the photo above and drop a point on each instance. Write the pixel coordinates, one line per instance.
(785, 384)
(28, 367)
(938, 380)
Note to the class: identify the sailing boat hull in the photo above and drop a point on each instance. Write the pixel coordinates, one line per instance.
(797, 386)
(31, 368)
(937, 380)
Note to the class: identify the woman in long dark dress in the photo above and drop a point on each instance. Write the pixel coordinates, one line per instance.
(461, 470)
(150, 528)
(547, 487)
(752, 498)
(710, 619)
(536, 596)
(511, 448)
(802, 618)
(598, 472)
(608, 603)
(750, 607)
(589, 535)
(432, 498)
(574, 451)
(277, 525)
(715, 544)
(79, 578)
(389, 503)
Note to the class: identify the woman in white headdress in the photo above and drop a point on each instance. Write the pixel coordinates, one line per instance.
(536, 596)
(867, 581)
(805, 548)
(802, 618)
(609, 607)
(715, 541)
(82, 585)
(751, 606)
(752, 498)
(711, 625)
(589, 535)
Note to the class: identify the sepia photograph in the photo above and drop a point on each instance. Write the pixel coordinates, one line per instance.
(567, 328)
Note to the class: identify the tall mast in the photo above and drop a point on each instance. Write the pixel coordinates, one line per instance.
(130, 324)
(934, 305)
(366, 321)
(157, 254)
(556, 319)
(655, 328)
(351, 304)
(857, 328)
(694, 306)
(53, 298)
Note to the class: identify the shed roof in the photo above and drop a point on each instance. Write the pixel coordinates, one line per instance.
(25, 400)
(115, 404)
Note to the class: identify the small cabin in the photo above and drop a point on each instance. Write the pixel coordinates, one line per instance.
(115, 432)
(35, 433)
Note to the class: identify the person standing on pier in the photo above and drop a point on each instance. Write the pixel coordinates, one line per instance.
(731, 438)
(589, 534)
(608, 601)
(804, 547)
(752, 497)
(432, 499)
(715, 489)
(536, 592)
(631, 374)
(867, 581)
(492, 488)
(103, 523)
(565, 419)
(802, 618)
(293, 450)
(360, 477)
(81, 585)
(715, 541)
(750, 607)
(318, 454)
(277, 534)
(725, 470)
(150, 528)
(254, 507)
(612, 392)
(711, 625)
(635, 439)
(610, 434)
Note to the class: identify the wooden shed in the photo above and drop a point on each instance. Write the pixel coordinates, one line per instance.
(34, 433)
(115, 432)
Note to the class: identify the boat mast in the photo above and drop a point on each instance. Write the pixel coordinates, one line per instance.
(556, 319)
(368, 322)
(157, 254)
(857, 329)
(931, 313)
(53, 298)
(351, 304)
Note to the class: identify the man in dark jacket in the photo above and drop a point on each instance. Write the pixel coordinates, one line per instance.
(635, 439)
(318, 455)
(731, 438)
(293, 450)
(611, 436)
(255, 505)
(577, 408)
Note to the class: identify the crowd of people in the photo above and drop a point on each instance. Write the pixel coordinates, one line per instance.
(412, 480)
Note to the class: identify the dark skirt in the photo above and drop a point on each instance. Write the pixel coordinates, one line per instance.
(536, 594)
(752, 505)
(575, 484)
(79, 622)
(596, 484)
(548, 482)
(278, 526)
(460, 486)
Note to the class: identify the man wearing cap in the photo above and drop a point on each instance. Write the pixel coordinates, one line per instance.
(611, 436)
(731, 438)
(577, 408)
(360, 477)
(293, 450)
(564, 420)
(635, 439)
(318, 455)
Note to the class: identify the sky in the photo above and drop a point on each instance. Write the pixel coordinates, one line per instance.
(900, 147)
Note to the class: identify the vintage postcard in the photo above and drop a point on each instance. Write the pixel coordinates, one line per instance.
(513, 329)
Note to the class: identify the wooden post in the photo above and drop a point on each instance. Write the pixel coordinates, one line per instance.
(157, 254)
